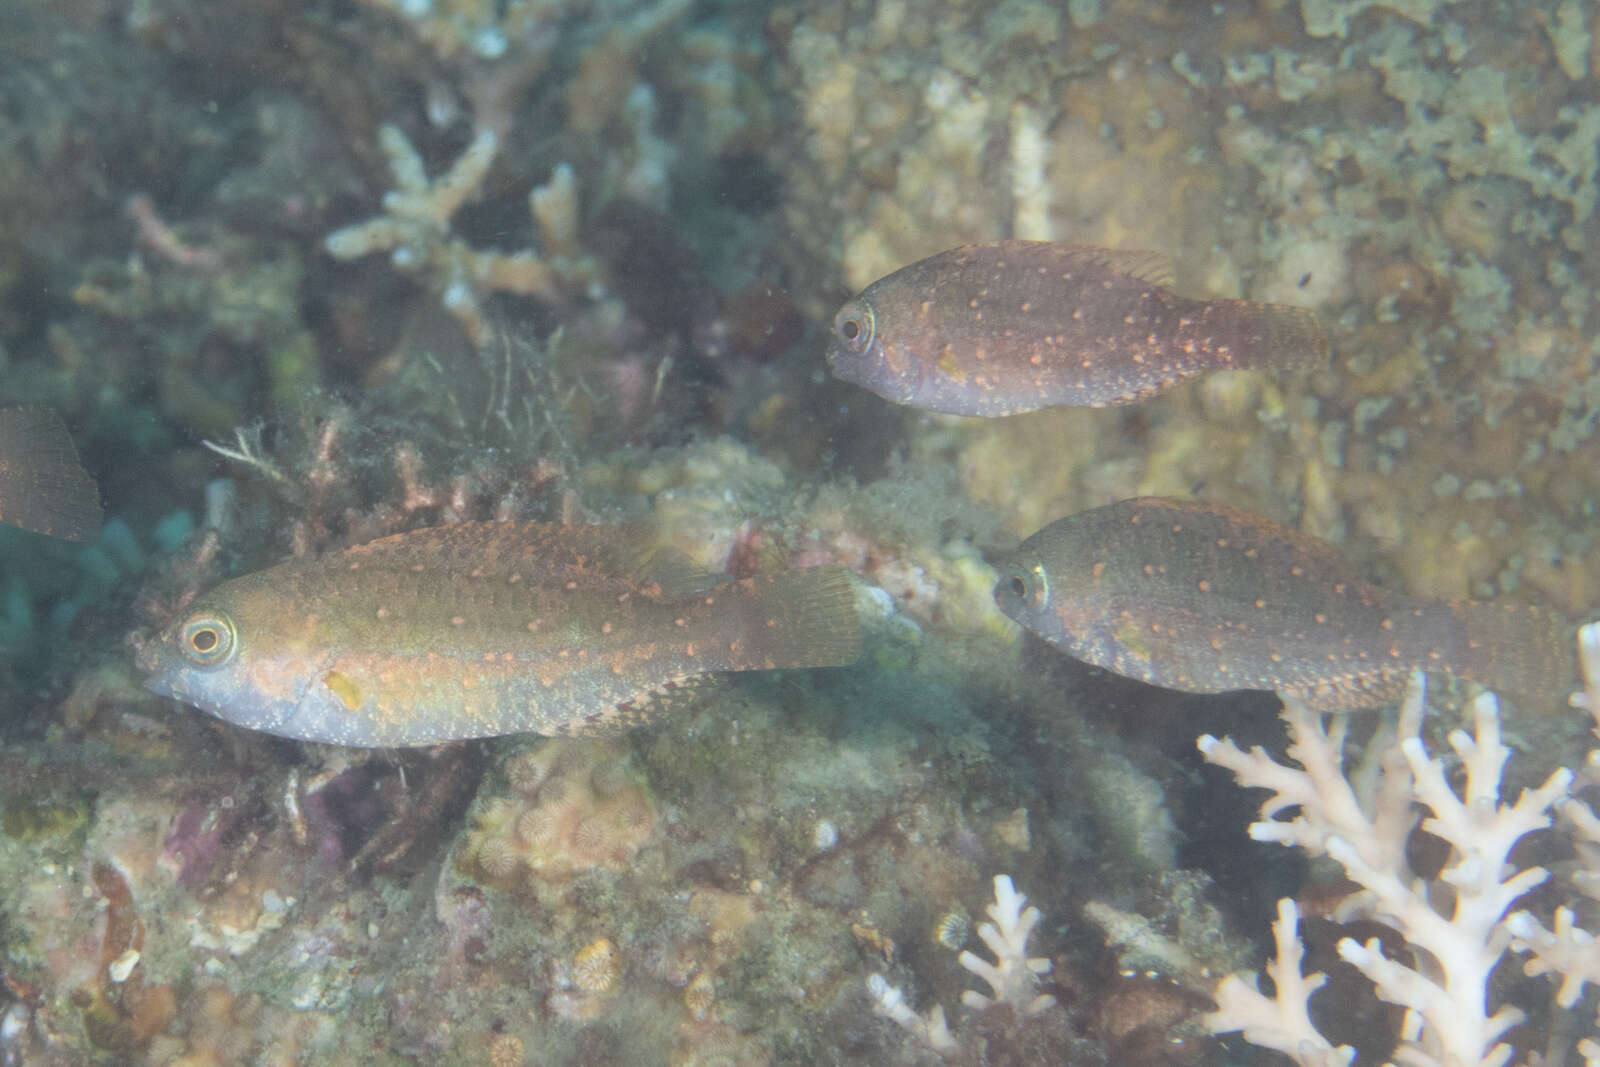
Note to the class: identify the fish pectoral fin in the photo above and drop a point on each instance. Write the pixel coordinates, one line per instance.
(664, 573)
(1134, 640)
(345, 688)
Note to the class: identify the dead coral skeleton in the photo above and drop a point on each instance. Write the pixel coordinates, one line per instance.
(1012, 977)
(415, 230)
(1457, 926)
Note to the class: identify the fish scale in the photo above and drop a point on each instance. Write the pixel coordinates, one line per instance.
(482, 629)
(1014, 326)
(1205, 598)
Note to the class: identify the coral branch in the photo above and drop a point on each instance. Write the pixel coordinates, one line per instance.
(1012, 977)
(1457, 944)
(1284, 1021)
(415, 230)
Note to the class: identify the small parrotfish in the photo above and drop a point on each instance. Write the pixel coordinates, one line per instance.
(1204, 598)
(1015, 326)
(43, 488)
(482, 629)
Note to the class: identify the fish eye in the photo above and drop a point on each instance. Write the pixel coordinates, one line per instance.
(854, 326)
(207, 640)
(1030, 588)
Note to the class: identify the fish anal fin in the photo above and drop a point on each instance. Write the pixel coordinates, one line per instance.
(1348, 693)
(649, 706)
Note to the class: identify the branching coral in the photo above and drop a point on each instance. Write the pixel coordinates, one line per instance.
(1565, 949)
(1456, 926)
(1012, 977)
(415, 230)
(479, 28)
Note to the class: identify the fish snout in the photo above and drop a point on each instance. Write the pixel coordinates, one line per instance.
(146, 650)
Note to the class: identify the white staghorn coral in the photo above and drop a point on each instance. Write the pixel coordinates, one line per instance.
(1458, 931)
(1565, 949)
(1012, 977)
(415, 230)
(1283, 1022)
(932, 1030)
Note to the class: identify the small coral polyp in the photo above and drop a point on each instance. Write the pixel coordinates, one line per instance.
(597, 967)
(574, 805)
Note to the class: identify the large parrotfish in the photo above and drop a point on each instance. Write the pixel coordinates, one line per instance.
(481, 629)
(1204, 598)
(1014, 326)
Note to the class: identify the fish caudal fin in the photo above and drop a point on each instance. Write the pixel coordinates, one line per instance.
(802, 618)
(1267, 335)
(1526, 654)
(42, 486)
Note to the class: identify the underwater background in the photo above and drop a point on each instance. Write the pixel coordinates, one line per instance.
(299, 275)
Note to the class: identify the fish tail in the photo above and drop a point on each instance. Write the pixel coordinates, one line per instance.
(1268, 335)
(799, 618)
(42, 486)
(1524, 653)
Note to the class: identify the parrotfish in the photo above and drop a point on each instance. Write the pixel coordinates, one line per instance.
(1014, 326)
(42, 486)
(1205, 598)
(481, 629)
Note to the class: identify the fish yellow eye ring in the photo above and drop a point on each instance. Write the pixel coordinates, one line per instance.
(854, 325)
(207, 640)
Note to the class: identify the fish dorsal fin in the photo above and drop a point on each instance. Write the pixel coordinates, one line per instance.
(1310, 550)
(1148, 266)
(648, 706)
(545, 552)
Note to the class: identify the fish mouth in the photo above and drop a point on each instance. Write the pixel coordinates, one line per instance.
(146, 650)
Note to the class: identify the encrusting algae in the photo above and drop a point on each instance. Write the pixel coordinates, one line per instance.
(1205, 598)
(1015, 326)
(483, 629)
